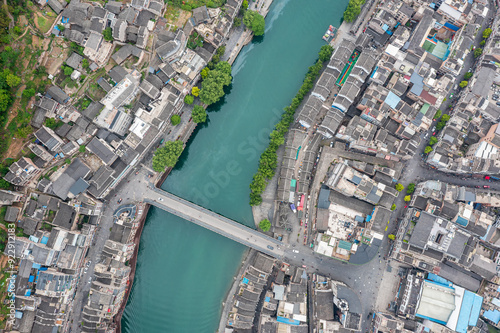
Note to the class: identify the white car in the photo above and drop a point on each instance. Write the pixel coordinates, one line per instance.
(295, 251)
(160, 199)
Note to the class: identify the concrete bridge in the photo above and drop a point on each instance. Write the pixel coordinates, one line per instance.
(214, 222)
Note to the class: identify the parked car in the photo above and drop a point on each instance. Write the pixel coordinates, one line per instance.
(486, 186)
(295, 251)
(270, 247)
(433, 129)
(119, 200)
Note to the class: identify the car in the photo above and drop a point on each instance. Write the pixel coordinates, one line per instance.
(486, 186)
(498, 103)
(426, 136)
(487, 177)
(406, 206)
(433, 129)
(270, 247)
(295, 251)
(160, 199)
(119, 200)
(433, 133)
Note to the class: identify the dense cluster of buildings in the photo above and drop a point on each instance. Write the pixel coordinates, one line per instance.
(60, 186)
(273, 296)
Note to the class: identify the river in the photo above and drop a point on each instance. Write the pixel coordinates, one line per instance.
(184, 271)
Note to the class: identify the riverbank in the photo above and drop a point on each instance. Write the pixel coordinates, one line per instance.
(228, 299)
(132, 263)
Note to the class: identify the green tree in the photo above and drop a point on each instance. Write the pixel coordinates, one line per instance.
(23, 132)
(107, 34)
(195, 91)
(410, 188)
(175, 119)
(5, 100)
(237, 22)
(487, 32)
(432, 141)
(393, 207)
(189, 99)
(212, 87)
(399, 187)
(81, 149)
(438, 114)
(464, 84)
(199, 114)
(407, 198)
(478, 52)
(445, 118)
(391, 237)
(67, 161)
(255, 22)
(12, 80)
(481, 43)
(353, 9)
(265, 225)
(204, 72)
(67, 70)
(467, 75)
(167, 156)
(428, 149)
(325, 52)
(85, 64)
(440, 125)
(244, 5)
(255, 199)
(4, 185)
(61, 27)
(28, 93)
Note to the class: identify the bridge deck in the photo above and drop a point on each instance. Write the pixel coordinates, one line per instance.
(214, 222)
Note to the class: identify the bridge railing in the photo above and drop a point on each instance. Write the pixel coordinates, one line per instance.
(218, 216)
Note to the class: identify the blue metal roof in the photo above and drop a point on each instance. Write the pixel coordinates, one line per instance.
(493, 316)
(439, 280)
(392, 99)
(418, 83)
(287, 321)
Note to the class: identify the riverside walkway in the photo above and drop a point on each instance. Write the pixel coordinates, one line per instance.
(214, 222)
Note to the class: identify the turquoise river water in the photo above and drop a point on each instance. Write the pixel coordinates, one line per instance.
(184, 271)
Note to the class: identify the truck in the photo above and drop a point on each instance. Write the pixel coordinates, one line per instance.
(293, 208)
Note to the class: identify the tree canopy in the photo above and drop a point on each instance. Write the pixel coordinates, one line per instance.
(189, 99)
(445, 117)
(107, 34)
(428, 149)
(353, 9)
(477, 53)
(255, 22)
(432, 141)
(265, 225)
(175, 119)
(167, 156)
(195, 91)
(407, 198)
(410, 188)
(467, 75)
(212, 87)
(464, 84)
(399, 187)
(438, 114)
(199, 114)
(325, 52)
(487, 32)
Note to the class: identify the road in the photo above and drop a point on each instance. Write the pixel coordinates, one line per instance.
(214, 222)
